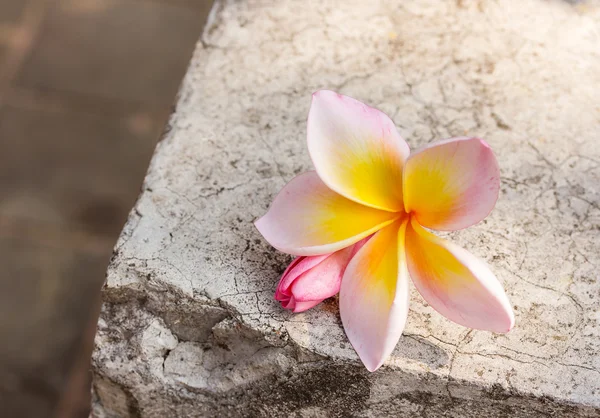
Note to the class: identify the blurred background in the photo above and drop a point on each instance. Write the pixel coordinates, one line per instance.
(85, 89)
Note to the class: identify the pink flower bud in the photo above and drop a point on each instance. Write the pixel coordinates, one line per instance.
(309, 280)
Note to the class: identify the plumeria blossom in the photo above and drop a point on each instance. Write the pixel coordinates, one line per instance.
(309, 280)
(366, 183)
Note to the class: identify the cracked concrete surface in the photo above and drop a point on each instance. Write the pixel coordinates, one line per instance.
(189, 325)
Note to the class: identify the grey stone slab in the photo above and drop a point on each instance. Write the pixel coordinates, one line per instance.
(525, 78)
(119, 49)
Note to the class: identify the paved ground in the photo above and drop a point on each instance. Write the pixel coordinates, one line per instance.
(85, 89)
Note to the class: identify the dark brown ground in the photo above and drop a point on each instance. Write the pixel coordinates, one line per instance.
(85, 89)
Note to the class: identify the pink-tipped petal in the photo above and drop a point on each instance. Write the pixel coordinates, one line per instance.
(456, 283)
(356, 150)
(374, 296)
(451, 184)
(308, 218)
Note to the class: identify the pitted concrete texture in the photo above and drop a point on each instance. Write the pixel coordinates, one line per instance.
(189, 325)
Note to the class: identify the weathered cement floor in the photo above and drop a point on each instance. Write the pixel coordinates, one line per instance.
(85, 89)
(190, 327)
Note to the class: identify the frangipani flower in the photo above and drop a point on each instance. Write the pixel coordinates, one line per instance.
(309, 280)
(365, 183)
